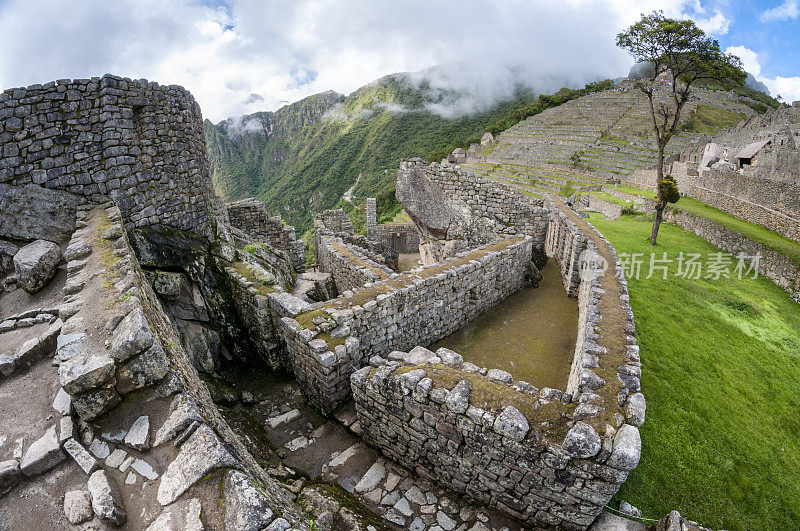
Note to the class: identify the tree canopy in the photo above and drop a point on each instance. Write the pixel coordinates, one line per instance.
(680, 55)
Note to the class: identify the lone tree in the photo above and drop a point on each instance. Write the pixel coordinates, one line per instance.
(680, 55)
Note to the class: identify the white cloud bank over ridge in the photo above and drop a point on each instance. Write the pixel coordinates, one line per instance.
(787, 87)
(283, 51)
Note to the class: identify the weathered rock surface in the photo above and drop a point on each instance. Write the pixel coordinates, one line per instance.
(180, 516)
(184, 412)
(511, 423)
(138, 436)
(35, 264)
(627, 448)
(144, 370)
(246, 509)
(42, 455)
(86, 371)
(582, 440)
(10, 475)
(372, 477)
(106, 499)
(202, 453)
(78, 506)
(132, 336)
(81, 456)
(7, 252)
(32, 213)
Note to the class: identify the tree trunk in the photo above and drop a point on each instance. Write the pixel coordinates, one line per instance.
(662, 203)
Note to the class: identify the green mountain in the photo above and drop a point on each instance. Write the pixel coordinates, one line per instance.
(302, 158)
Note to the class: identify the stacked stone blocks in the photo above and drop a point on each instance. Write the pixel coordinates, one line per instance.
(110, 138)
(338, 337)
(352, 260)
(250, 216)
(560, 461)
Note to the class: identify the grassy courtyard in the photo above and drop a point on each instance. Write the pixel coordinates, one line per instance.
(759, 233)
(721, 374)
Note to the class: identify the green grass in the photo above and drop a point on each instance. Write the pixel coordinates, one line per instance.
(710, 119)
(721, 374)
(611, 199)
(758, 233)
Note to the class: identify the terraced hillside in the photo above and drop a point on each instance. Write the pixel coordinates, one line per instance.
(598, 137)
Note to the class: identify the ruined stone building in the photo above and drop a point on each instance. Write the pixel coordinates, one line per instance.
(129, 293)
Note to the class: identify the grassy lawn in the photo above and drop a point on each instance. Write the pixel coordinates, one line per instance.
(759, 233)
(764, 236)
(721, 374)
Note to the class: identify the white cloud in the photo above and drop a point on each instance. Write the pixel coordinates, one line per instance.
(789, 9)
(715, 25)
(284, 51)
(787, 87)
(749, 59)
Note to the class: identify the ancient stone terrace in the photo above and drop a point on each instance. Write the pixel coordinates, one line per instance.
(611, 128)
(543, 456)
(531, 453)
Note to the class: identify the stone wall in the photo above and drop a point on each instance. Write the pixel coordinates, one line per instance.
(259, 313)
(352, 260)
(565, 242)
(401, 237)
(250, 216)
(339, 336)
(760, 200)
(771, 264)
(642, 179)
(773, 204)
(490, 200)
(544, 456)
(110, 138)
(455, 210)
(606, 208)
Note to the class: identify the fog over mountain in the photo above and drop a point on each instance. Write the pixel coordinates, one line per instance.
(243, 56)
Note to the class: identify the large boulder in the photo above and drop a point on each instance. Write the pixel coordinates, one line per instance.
(32, 213)
(35, 264)
(446, 224)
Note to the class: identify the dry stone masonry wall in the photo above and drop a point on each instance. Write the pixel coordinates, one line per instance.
(400, 237)
(250, 216)
(351, 260)
(565, 242)
(488, 199)
(773, 204)
(131, 141)
(338, 337)
(537, 455)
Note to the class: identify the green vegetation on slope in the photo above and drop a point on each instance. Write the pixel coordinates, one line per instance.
(708, 119)
(304, 165)
(721, 374)
(759, 233)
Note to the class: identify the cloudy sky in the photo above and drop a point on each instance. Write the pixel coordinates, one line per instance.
(240, 56)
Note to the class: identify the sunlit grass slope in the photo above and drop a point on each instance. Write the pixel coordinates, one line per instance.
(721, 374)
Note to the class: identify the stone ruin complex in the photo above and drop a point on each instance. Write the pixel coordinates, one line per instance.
(128, 289)
(400, 237)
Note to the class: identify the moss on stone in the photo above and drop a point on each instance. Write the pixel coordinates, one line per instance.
(260, 285)
(550, 420)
